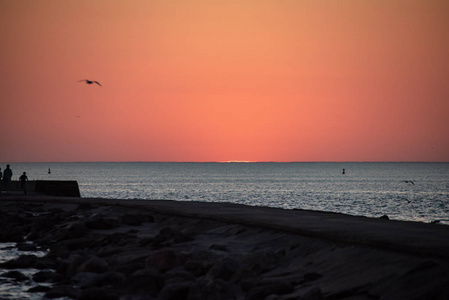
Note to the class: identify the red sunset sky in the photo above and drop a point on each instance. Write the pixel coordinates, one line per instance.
(220, 80)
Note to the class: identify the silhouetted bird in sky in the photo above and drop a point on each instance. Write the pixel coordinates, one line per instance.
(90, 81)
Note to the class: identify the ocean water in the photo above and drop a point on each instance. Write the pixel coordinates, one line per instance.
(10, 288)
(366, 189)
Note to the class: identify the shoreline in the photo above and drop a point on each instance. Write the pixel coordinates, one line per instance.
(241, 251)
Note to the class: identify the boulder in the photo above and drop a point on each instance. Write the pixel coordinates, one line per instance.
(264, 290)
(63, 291)
(94, 265)
(100, 222)
(175, 291)
(58, 251)
(148, 281)
(225, 269)
(102, 293)
(313, 294)
(209, 289)
(16, 275)
(169, 234)
(48, 276)
(163, 260)
(89, 280)
(136, 219)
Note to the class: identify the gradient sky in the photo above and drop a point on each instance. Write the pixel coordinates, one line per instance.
(221, 80)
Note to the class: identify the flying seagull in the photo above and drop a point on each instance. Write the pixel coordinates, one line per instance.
(90, 81)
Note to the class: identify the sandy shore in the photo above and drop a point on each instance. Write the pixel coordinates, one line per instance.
(140, 249)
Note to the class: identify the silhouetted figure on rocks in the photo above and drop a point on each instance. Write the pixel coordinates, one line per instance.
(23, 182)
(7, 176)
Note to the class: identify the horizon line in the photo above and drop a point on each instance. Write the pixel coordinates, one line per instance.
(230, 161)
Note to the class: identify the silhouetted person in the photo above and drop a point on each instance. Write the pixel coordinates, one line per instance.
(23, 182)
(7, 175)
(344, 171)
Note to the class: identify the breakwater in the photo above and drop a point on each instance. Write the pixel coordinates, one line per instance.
(63, 188)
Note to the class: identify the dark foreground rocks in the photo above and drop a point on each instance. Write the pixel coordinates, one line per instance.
(112, 252)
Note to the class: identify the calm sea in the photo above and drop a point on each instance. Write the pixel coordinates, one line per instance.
(403, 191)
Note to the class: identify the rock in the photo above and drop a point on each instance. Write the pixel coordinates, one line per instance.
(178, 275)
(93, 265)
(311, 276)
(63, 291)
(75, 261)
(100, 222)
(219, 247)
(146, 241)
(13, 234)
(313, 294)
(170, 234)
(136, 220)
(262, 291)
(85, 206)
(112, 278)
(225, 269)
(163, 260)
(76, 230)
(47, 276)
(263, 260)
(58, 251)
(98, 294)
(384, 217)
(16, 275)
(26, 247)
(89, 280)
(209, 289)
(149, 281)
(118, 239)
(128, 268)
(79, 243)
(175, 291)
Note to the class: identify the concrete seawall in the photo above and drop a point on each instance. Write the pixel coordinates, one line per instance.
(64, 188)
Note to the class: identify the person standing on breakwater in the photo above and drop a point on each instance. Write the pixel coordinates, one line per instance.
(7, 175)
(23, 182)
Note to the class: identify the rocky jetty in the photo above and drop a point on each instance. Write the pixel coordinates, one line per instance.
(99, 251)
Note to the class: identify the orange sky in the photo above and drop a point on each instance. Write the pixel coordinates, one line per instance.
(220, 80)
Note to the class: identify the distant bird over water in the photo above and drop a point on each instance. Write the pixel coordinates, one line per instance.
(90, 81)
(409, 181)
